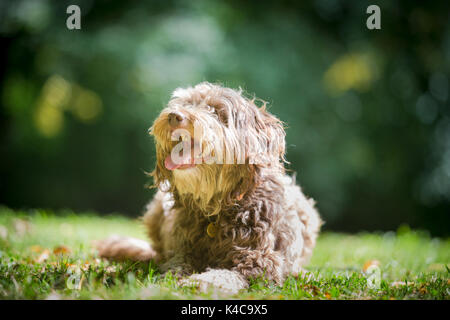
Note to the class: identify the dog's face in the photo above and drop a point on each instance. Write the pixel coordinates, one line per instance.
(210, 140)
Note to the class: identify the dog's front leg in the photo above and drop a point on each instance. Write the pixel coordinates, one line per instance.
(224, 280)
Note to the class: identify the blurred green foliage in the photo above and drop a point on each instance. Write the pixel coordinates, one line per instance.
(367, 110)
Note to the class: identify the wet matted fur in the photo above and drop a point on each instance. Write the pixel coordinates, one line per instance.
(220, 223)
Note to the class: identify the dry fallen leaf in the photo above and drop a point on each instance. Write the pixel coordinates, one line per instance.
(312, 289)
(61, 250)
(370, 263)
(423, 290)
(327, 295)
(43, 256)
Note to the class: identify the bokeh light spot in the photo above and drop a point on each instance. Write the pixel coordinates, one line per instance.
(350, 71)
(87, 105)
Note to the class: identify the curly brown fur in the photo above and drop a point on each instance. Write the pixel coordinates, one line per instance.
(264, 225)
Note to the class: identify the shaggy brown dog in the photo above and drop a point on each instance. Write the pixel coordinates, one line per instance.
(225, 210)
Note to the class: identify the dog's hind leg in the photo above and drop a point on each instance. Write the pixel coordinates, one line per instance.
(124, 248)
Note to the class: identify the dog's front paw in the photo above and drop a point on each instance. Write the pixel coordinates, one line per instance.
(224, 281)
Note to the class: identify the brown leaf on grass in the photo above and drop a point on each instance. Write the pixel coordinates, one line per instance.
(370, 263)
(312, 289)
(423, 290)
(60, 250)
(327, 295)
(43, 256)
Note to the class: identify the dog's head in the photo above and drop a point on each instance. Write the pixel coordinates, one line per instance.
(210, 143)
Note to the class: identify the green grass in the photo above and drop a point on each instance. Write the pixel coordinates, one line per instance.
(412, 265)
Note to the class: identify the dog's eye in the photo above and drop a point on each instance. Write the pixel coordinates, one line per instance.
(221, 114)
(213, 110)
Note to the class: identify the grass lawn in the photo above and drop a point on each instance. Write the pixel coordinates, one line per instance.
(48, 256)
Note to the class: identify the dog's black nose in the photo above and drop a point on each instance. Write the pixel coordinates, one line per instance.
(175, 119)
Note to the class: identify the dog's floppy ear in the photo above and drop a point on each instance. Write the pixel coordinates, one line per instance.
(275, 131)
(266, 142)
(160, 174)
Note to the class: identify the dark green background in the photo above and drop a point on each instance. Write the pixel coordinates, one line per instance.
(367, 111)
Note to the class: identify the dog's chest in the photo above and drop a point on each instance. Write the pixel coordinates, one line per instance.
(204, 242)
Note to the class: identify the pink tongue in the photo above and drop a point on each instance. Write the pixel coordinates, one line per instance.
(170, 165)
(185, 161)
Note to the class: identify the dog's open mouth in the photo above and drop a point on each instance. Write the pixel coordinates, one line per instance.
(188, 162)
(184, 159)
